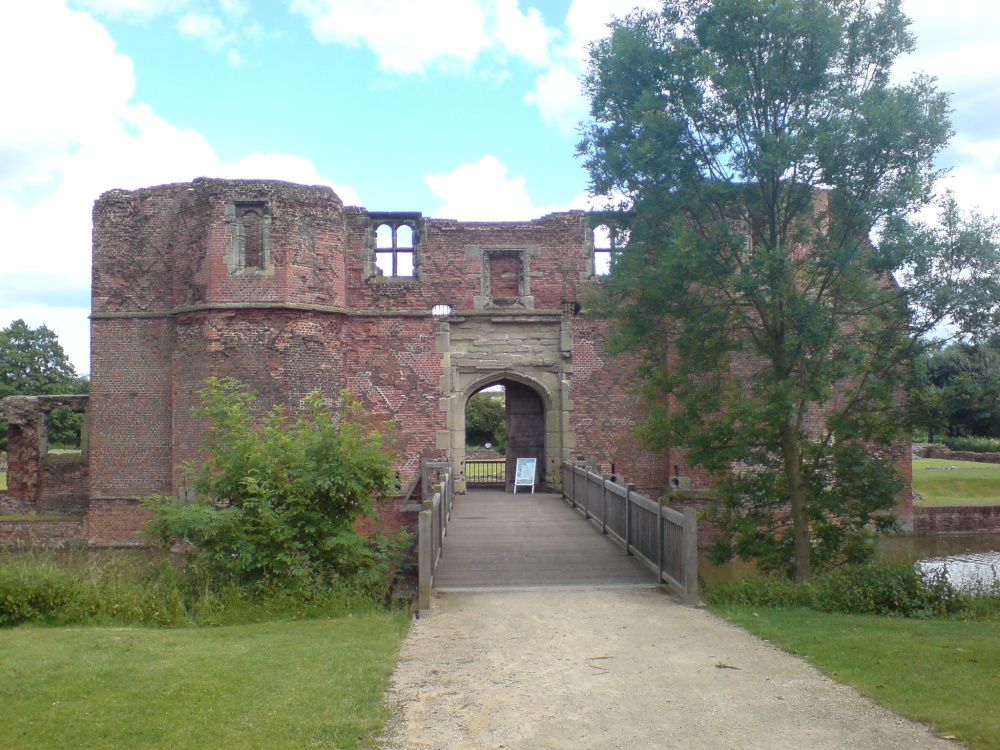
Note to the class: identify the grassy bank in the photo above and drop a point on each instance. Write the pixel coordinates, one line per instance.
(967, 483)
(275, 685)
(939, 671)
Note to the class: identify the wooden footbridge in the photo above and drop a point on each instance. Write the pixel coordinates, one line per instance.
(596, 533)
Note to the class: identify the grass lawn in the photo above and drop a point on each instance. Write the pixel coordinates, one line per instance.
(941, 672)
(278, 685)
(3, 481)
(969, 483)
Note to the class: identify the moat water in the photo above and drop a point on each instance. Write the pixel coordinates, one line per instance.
(969, 560)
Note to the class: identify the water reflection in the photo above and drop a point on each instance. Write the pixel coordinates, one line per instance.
(969, 559)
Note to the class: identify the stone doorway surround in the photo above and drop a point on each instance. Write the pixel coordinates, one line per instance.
(481, 348)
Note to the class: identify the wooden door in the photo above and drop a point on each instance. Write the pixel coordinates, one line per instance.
(525, 414)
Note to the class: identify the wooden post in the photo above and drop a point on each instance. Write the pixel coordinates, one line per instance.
(604, 508)
(659, 543)
(424, 563)
(629, 489)
(424, 479)
(690, 546)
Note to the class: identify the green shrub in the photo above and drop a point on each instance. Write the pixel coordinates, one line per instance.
(39, 587)
(973, 444)
(279, 498)
(878, 588)
(120, 588)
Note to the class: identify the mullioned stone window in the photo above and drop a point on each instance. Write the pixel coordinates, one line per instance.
(248, 238)
(392, 249)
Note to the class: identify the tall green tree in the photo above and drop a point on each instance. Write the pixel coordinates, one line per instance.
(33, 363)
(753, 150)
(963, 381)
(485, 420)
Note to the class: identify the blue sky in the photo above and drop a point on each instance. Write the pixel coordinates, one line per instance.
(463, 109)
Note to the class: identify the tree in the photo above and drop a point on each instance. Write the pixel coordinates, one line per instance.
(485, 420)
(33, 363)
(964, 380)
(750, 149)
(279, 496)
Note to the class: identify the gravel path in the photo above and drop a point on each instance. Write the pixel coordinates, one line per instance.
(582, 668)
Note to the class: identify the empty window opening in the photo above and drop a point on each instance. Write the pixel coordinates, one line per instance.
(394, 251)
(505, 275)
(609, 243)
(63, 429)
(440, 311)
(253, 240)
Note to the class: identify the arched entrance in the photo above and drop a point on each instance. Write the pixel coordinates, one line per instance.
(526, 429)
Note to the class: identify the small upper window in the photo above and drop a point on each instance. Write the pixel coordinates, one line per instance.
(609, 241)
(602, 251)
(394, 249)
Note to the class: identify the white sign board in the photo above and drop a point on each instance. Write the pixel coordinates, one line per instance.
(524, 475)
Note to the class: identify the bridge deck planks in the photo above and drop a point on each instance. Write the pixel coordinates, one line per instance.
(498, 539)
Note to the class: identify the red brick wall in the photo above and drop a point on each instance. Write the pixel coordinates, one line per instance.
(44, 532)
(971, 519)
(63, 484)
(115, 523)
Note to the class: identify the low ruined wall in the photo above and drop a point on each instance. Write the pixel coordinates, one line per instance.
(63, 483)
(956, 519)
(116, 523)
(935, 450)
(46, 532)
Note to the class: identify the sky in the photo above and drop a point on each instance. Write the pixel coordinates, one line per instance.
(461, 109)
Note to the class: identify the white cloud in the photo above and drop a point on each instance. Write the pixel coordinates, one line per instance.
(413, 36)
(483, 192)
(142, 9)
(78, 133)
(557, 92)
(522, 34)
(205, 27)
(559, 98)
(957, 43)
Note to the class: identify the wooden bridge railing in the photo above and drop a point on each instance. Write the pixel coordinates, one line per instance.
(432, 525)
(664, 539)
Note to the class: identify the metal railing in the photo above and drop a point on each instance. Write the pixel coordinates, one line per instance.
(432, 526)
(479, 471)
(664, 539)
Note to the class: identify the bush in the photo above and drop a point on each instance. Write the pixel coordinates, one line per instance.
(124, 589)
(872, 588)
(279, 497)
(38, 587)
(972, 444)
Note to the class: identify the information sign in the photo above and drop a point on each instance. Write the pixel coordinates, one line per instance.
(524, 476)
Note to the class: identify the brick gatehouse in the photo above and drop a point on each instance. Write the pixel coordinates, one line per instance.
(290, 291)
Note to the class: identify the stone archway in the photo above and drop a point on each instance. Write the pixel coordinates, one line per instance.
(484, 348)
(538, 407)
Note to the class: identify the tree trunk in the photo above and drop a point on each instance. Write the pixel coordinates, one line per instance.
(799, 500)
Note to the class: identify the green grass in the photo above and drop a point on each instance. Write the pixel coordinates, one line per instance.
(3, 481)
(942, 672)
(969, 483)
(276, 685)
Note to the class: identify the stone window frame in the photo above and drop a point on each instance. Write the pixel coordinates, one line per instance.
(236, 238)
(370, 250)
(485, 300)
(617, 229)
